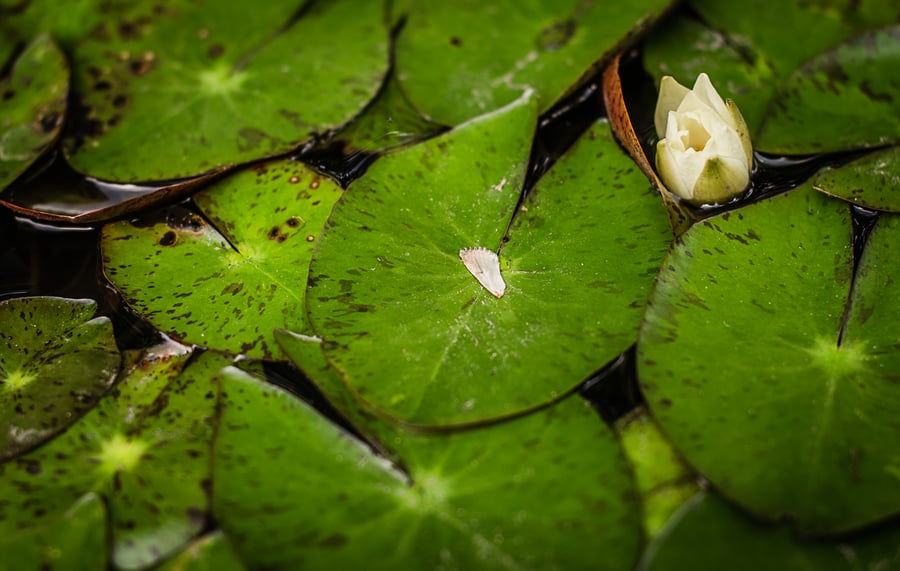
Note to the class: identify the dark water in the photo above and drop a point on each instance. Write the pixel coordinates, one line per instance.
(45, 259)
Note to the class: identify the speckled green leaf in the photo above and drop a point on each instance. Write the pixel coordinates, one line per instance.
(749, 366)
(34, 105)
(229, 281)
(663, 481)
(180, 88)
(753, 56)
(872, 181)
(388, 122)
(462, 59)
(846, 98)
(55, 363)
(153, 471)
(295, 492)
(709, 534)
(74, 542)
(410, 329)
(209, 553)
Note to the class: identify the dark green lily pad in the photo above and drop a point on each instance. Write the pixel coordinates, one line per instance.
(459, 60)
(410, 329)
(209, 553)
(832, 91)
(749, 366)
(22, 20)
(34, 106)
(871, 181)
(55, 363)
(708, 533)
(293, 491)
(190, 88)
(663, 481)
(74, 542)
(150, 463)
(230, 282)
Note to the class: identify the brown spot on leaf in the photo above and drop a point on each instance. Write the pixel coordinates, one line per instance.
(168, 238)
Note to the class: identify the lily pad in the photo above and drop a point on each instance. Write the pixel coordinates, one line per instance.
(74, 542)
(34, 106)
(177, 92)
(238, 275)
(55, 363)
(751, 368)
(832, 91)
(708, 533)
(459, 60)
(294, 491)
(22, 20)
(410, 329)
(209, 553)
(151, 464)
(871, 181)
(663, 481)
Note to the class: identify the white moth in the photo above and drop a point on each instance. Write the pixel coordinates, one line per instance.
(484, 264)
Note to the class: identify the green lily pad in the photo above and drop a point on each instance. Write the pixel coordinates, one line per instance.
(229, 282)
(708, 533)
(188, 89)
(34, 106)
(294, 491)
(74, 542)
(750, 368)
(20, 21)
(150, 463)
(832, 91)
(410, 329)
(55, 363)
(459, 60)
(389, 121)
(209, 553)
(871, 181)
(663, 481)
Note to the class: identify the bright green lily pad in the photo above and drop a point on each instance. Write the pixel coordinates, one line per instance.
(871, 181)
(188, 89)
(151, 464)
(55, 363)
(293, 491)
(663, 481)
(229, 282)
(209, 553)
(459, 60)
(34, 105)
(412, 331)
(708, 533)
(74, 542)
(749, 368)
(832, 91)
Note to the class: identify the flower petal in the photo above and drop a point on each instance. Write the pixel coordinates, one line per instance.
(670, 95)
(705, 91)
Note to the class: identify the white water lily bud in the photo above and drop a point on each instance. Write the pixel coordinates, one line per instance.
(704, 154)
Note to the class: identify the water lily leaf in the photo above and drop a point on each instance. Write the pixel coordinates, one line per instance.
(708, 533)
(74, 542)
(55, 363)
(294, 491)
(20, 21)
(239, 275)
(34, 106)
(845, 98)
(663, 481)
(389, 121)
(779, 83)
(410, 329)
(172, 93)
(153, 471)
(457, 61)
(871, 181)
(751, 371)
(210, 553)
